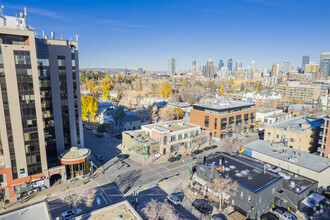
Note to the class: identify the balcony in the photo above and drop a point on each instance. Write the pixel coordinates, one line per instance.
(320, 149)
(320, 141)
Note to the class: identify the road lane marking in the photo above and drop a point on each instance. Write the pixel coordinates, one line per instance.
(104, 199)
(120, 193)
(182, 166)
(160, 174)
(104, 192)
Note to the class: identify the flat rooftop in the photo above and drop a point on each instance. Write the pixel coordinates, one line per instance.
(221, 104)
(171, 126)
(251, 177)
(179, 104)
(121, 210)
(37, 211)
(268, 110)
(297, 124)
(293, 156)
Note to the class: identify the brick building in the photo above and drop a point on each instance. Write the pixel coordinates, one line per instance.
(223, 117)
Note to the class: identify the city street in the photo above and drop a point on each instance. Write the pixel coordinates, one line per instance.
(121, 178)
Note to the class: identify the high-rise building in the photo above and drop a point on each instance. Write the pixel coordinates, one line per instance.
(140, 70)
(312, 68)
(253, 66)
(275, 69)
(171, 66)
(230, 64)
(325, 64)
(238, 64)
(305, 60)
(194, 66)
(286, 67)
(221, 64)
(208, 70)
(40, 113)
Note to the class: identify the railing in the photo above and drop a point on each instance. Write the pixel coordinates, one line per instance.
(319, 149)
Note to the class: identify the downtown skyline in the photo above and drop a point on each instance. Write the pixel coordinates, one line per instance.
(147, 33)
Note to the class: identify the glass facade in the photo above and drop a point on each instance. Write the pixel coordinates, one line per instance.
(7, 118)
(223, 123)
(46, 99)
(206, 121)
(64, 100)
(28, 111)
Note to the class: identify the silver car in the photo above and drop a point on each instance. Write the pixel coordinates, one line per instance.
(174, 199)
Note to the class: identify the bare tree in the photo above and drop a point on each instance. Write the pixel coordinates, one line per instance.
(230, 145)
(159, 211)
(75, 196)
(222, 185)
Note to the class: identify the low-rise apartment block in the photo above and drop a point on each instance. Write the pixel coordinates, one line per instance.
(223, 117)
(306, 93)
(265, 99)
(271, 116)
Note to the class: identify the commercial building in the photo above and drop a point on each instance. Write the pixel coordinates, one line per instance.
(230, 64)
(259, 186)
(324, 140)
(166, 137)
(325, 64)
(305, 60)
(223, 117)
(40, 114)
(275, 70)
(208, 70)
(306, 93)
(238, 64)
(299, 133)
(171, 66)
(221, 64)
(312, 68)
(286, 67)
(296, 161)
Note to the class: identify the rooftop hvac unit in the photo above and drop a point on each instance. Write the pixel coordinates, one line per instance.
(167, 125)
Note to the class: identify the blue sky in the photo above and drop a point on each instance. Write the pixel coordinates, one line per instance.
(144, 33)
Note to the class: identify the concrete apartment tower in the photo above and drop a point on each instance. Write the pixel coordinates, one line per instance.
(40, 114)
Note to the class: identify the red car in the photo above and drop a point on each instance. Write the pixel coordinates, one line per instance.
(207, 148)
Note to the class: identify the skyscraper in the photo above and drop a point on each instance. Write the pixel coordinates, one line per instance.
(40, 113)
(140, 70)
(171, 66)
(194, 66)
(230, 64)
(221, 64)
(238, 64)
(253, 66)
(275, 69)
(305, 60)
(286, 67)
(208, 70)
(325, 64)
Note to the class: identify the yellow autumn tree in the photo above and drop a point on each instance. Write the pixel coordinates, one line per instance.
(231, 81)
(90, 85)
(234, 92)
(179, 113)
(89, 108)
(222, 89)
(165, 90)
(118, 77)
(107, 85)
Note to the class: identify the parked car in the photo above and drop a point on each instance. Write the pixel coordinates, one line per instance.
(94, 132)
(99, 135)
(123, 156)
(202, 206)
(174, 199)
(207, 148)
(172, 159)
(214, 146)
(284, 214)
(118, 136)
(216, 217)
(195, 152)
(71, 214)
(100, 158)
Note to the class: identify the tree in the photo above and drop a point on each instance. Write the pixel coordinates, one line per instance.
(318, 105)
(179, 113)
(222, 185)
(90, 85)
(77, 195)
(167, 113)
(119, 78)
(89, 107)
(159, 211)
(242, 87)
(120, 113)
(165, 90)
(234, 91)
(231, 145)
(222, 88)
(154, 90)
(153, 110)
(231, 81)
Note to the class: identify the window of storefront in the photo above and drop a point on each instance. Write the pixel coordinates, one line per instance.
(206, 121)
(173, 138)
(246, 119)
(185, 135)
(252, 116)
(179, 136)
(215, 123)
(231, 122)
(224, 124)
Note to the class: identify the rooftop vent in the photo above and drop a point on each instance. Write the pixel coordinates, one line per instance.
(167, 125)
(238, 175)
(181, 123)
